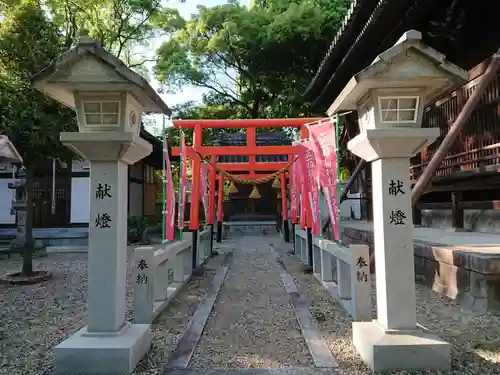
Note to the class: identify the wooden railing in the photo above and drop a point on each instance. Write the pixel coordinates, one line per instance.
(479, 143)
(473, 160)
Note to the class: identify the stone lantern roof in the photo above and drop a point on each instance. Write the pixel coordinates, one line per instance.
(68, 65)
(8, 153)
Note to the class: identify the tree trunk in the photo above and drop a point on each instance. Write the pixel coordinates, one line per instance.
(29, 243)
(254, 112)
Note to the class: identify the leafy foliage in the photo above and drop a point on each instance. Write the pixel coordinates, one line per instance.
(28, 42)
(125, 27)
(258, 60)
(136, 227)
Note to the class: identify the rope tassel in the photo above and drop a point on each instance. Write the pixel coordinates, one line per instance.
(276, 183)
(255, 193)
(247, 181)
(232, 188)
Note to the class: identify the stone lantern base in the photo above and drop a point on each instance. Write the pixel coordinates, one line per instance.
(385, 350)
(103, 353)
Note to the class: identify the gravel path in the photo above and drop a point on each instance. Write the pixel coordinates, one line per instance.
(34, 318)
(475, 337)
(170, 325)
(252, 323)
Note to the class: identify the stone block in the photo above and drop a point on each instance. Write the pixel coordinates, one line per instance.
(468, 275)
(111, 354)
(419, 266)
(400, 350)
(484, 263)
(478, 285)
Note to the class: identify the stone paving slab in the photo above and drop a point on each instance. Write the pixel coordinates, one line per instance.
(186, 346)
(318, 348)
(253, 324)
(260, 371)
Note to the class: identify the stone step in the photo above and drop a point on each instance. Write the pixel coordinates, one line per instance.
(257, 371)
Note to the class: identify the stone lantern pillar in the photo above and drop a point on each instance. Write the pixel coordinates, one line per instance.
(389, 96)
(108, 99)
(19, 205)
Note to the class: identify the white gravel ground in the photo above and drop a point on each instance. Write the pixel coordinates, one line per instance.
(252, 323)
(34, 318)
(475, 337)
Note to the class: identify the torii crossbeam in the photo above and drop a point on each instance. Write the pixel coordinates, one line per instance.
(252, 168)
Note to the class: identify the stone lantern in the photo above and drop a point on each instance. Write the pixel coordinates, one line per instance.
(9, 154)
(389, 96)
(109, 99)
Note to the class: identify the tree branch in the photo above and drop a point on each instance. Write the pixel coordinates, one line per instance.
(141, 63)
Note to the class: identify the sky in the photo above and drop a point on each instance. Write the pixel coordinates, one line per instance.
(186, 9)
(188, 93)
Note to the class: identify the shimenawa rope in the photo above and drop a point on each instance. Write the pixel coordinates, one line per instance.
(248, 181)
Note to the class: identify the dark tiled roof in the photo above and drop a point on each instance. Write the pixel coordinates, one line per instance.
(262, 139)
(356, 17)
(156, 156)
(372, 26)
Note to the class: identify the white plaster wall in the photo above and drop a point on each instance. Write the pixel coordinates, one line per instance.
(6, 196)
(80, 166)
(135, 197)
(80, 200)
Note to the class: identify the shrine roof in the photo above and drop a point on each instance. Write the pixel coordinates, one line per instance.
(156, 156)
(460, 29)
(262, 139)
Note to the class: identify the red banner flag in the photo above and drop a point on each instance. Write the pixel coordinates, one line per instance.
(294, 202)
(307, 164)
(324, 147)
(169, 196)
(203, 186)
(301, 196)
(182, 193)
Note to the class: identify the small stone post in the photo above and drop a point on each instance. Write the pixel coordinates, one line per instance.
(19, 205)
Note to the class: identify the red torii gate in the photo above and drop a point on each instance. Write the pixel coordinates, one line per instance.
(251, 150)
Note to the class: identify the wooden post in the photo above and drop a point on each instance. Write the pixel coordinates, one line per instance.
(219, 207)
(195, 193)
(417, 216)
(457, 212)
(251, 142)
(343, 195)
(284, 209)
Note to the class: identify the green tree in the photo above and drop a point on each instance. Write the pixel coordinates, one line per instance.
(28, 42)
(213, 107)
(258, 59)
(125, 27)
